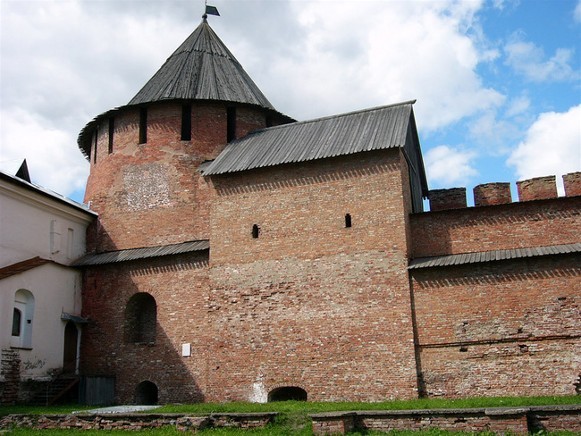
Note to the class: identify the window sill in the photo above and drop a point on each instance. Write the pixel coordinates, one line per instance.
(14, 347)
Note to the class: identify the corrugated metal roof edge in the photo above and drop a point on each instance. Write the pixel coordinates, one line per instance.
(84, 137)
(314, 120)
(142, 253)
(335, 116)
(492, 256)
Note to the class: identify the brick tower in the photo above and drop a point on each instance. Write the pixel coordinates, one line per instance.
(144, 156)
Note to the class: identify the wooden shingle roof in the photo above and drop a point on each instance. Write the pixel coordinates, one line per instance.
(202, 68)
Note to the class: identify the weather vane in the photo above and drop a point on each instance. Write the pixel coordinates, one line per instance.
(210, 10)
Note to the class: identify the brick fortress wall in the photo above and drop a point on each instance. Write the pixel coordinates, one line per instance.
(507, 327)
(310, 302)
(179, 285)
(152, 194)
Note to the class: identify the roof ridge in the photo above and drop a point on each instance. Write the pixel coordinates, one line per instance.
(330, 117)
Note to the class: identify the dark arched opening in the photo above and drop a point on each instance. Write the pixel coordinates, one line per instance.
(146, 393)
(70, 348)
(287, 393)
(140, 318)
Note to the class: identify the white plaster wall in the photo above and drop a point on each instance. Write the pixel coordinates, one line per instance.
(56, 289)
(33, 224)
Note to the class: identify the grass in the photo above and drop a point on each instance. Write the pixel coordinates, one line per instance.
(319, 407)
(293, 416)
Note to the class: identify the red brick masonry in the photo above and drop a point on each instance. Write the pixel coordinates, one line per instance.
(498, 420)
(137, 421)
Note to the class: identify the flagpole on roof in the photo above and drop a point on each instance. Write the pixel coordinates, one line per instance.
(209, 10)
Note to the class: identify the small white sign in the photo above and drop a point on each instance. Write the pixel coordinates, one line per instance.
(186, 350)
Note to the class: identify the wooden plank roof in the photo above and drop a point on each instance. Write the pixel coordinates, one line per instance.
(492, 256)
(371, 129)
(202, 68)
(23, 266)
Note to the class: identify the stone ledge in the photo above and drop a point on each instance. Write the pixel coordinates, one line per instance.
(494, 419)
(138, 421)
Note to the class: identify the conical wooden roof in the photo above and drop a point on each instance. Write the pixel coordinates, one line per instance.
(202, 68)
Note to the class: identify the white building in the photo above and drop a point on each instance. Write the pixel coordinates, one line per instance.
(41, 234)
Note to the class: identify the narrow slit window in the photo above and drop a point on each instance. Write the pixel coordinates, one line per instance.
(255, 231)
(111, 133)
(186, 122)
(95, 144)
(230, 124)
(143, 125)
(347, 220)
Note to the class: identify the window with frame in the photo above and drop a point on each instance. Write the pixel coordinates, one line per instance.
(22, 319)
(16, 322)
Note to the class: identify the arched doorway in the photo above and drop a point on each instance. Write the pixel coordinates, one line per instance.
(140, 318)
(146, 393)
(70, 348)
(287, 393)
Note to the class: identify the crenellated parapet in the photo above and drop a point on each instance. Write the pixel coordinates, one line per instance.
(491, 194)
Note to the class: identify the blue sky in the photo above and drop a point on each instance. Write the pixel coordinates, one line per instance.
(497, 83)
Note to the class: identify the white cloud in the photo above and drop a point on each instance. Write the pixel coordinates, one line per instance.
(577, 12)
(447, 166)
(530, 61)
(66, 62)
(51, 154)
(355, 55)
(505, 4)
(518, 106)
(552, 146)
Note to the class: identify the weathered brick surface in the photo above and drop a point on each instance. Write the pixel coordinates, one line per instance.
(321, 298)
(489, 194)
(515, 225)
(444, 199)
(539, 188)
(556, 418)
(331, 423)
(137, 421)
(499, 420)
(311, 303)
(180, 288)
(500, 328)
(139, 186)
(572, 184)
